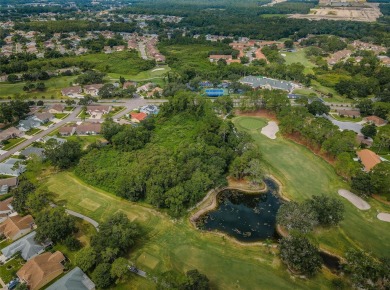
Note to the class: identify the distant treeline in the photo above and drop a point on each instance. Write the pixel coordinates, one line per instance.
(62, 26)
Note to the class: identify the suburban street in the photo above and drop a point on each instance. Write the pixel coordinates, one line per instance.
(130, 105)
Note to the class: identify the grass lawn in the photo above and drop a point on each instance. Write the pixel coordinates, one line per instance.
(155, 75)
(53, 88)
(303, 174)
(336, 98)
(306, 92)
(69, 109)
(168, 244)
(115, 110)
(60, 115)
(13, 142)
(299, 56)
(33, 131)
(346, 119)
(9, 269)
(85, 140)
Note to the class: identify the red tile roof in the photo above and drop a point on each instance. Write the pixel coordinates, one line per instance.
(138, 116)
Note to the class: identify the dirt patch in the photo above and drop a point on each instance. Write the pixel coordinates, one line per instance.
(243, 184)
(260, 113)
(354, 199)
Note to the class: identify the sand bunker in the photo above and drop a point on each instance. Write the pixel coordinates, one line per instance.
(270, 130)
(157, 69)
(355, 200)
(384, 217)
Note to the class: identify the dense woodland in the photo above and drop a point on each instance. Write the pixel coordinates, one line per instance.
(169, 161)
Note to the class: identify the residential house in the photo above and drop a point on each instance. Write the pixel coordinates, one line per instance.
(338, 56)
(217, 57)
(368, 158)
(96, 112)
(41, 269)
(54, 139)
(7, 183)
(10, 133)
(155, 92)
(72, 92)
(93, 90)
(16, 226)
(44, 117)
(67, 130)
(377, 121)
(89, 129)
(30, 151)
(76, 279)
(150, 109)
(145, 88)
(29, 123)
(6, 209)
(129, 84)
(361, 139)
(349, 113)
(26, 246)
(56, 109)
(138, 117)
(12, 167)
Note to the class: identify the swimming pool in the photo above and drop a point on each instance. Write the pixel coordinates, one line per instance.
(214, 92)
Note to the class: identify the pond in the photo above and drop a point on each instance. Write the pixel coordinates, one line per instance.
(246, 217)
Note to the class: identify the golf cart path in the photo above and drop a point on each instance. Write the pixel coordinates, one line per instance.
(270, 130)
(354, 199)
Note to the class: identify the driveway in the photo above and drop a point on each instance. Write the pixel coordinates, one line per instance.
(356, 127)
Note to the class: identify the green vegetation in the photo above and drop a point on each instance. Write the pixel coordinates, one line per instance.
(11, 143)
(303, 175)
(9, 269)
(61, 115)
(299, 56)
(33, 131)
(167, 244)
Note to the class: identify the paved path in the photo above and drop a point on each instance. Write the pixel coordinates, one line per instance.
(137, 271)
(72, 116)
(88, 219)
(356, 127)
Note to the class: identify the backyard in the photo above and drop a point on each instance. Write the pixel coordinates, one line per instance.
(9, 269)
(304, 174)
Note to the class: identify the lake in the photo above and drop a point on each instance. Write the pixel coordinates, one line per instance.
(246, 217)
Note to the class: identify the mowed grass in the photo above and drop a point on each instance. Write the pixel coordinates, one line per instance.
(299, 57)
(53, 88)
(167, 244)
(155, 74)
(304, 174)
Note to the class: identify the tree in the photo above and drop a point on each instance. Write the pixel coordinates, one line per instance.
(110, 129)
(380, 178)
(196, 281)
(329, 210)
(244, 59)
(90, 77)
(119, 268)
(65, 155)
(21, 286)
(367, 272)
(72, 243)
(300, 255)
(86, 258)
(289, 43)
(361, 184)
(254, 171)
(101, 275)
(369, 131)
(295, 216)
(117, 232)
(20, 194)
(54, 224)
(40, 103)
(340, 142)
(346, 166)
(38, 200)
(223, 105)
(318, 108)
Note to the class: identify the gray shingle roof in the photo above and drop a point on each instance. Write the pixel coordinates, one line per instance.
(256, 82)
(74, 280)
(33, 150)
(27, 247)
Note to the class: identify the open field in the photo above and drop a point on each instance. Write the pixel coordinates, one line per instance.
(53, 88)
(303, 174)
(153, 75)
(168, 244)
(299, 57)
